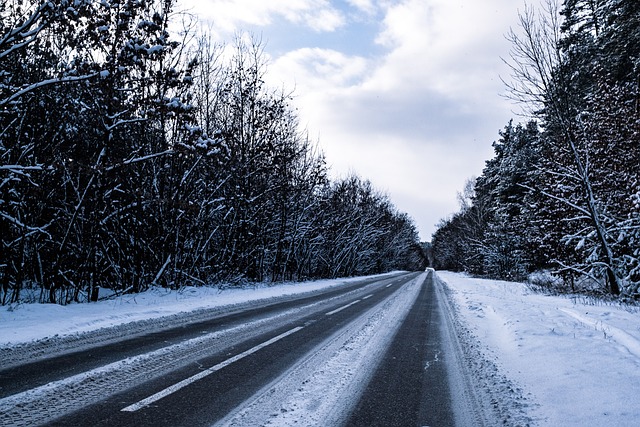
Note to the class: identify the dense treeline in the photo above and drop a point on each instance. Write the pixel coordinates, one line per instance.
(562, 192)
(130, 159)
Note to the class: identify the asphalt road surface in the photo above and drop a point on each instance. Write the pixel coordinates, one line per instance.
(410, 386)
(380, 352)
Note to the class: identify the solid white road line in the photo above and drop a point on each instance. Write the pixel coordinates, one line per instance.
(172, 389)
(342, 308)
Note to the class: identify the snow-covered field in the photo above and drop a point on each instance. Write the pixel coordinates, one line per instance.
(574, 360)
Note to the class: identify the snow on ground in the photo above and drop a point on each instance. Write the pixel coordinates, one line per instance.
(577, 360)
(24, 323)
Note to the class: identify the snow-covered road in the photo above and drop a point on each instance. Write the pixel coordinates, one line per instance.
(521, 358)
(323, 387)
(299, 362)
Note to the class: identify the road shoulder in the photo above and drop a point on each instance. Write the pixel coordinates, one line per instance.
(481, 394)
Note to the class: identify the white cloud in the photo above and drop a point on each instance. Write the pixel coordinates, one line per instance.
(452, 46)
(418, 116)
(366, 6)
(318, 70)
(233, 15)
(418, 120)
(324, 19)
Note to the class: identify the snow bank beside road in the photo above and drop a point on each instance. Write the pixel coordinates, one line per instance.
(30, 322)
(578, 362)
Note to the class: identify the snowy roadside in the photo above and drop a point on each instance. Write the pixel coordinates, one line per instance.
(576, 362)
(24, 323)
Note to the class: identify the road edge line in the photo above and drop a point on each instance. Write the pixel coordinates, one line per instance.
(187, 381)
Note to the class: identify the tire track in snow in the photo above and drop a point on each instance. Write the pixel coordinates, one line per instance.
(44, 403)
(323, 387)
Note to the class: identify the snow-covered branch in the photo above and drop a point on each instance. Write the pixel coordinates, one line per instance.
(44, 83)
(23, 168)
(139, 159)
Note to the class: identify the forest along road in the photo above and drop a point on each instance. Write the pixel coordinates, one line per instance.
(379, 352)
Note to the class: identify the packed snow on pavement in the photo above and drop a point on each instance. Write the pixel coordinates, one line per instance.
(331, 374)
(574, 360)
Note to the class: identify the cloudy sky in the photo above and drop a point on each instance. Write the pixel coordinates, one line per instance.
(405, 93)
